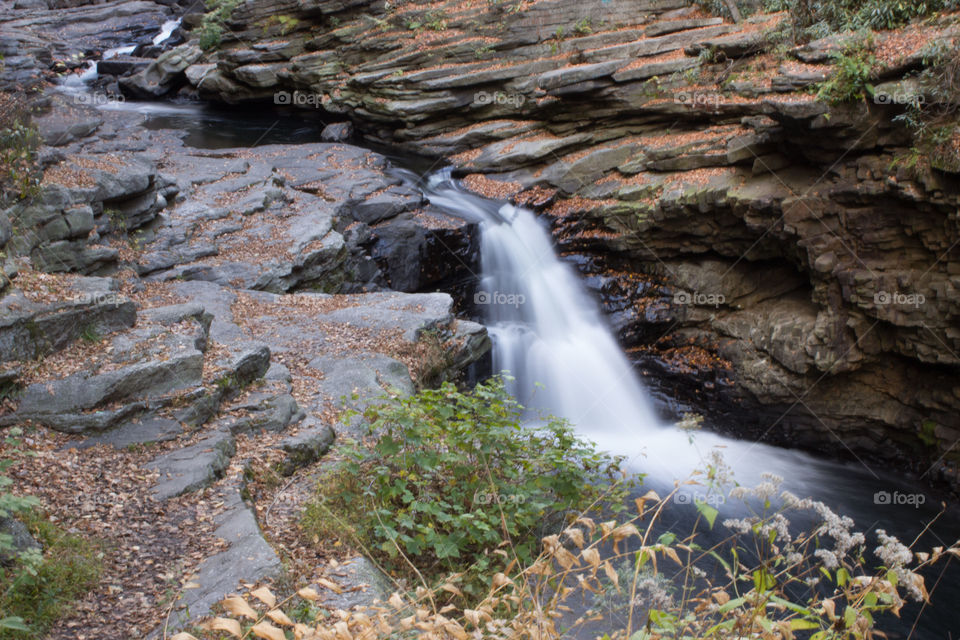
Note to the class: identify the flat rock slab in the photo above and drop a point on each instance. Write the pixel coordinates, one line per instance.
(140, 430)
(29, 329)
(248, 559)
(361, 584)
(193, 467)
(359, 380)
(412, 313)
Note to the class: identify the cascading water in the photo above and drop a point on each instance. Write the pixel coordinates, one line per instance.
(546, 332)
(166, 31)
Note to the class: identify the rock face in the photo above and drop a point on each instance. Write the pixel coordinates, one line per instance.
(754, 247)
(205, 308)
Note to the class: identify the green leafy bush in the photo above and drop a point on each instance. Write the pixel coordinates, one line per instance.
(458, 483)
(39, 592)
(853, 72)
(768, 578)
(935, 119)
(214, 22)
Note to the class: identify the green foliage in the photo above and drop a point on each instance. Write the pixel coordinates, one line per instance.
(934, 115)
(817, 18)
(90, 334)
(19, 173)
(433, 20)
(853, 73)
(768, 578)
(10, 504)
(214, 22)
(480, 52)
(458, 483)
(285, 22)
(38, 589)
(584, 27)
(722, 7)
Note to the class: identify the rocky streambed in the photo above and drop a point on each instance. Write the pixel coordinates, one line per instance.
(181, 325)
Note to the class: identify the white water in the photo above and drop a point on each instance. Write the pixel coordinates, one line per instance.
(166, 30)
(119, 51)
(75, 83)
(547, 332)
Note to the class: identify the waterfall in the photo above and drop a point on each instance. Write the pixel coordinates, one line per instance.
(546, 331)
(166, 31)
(550, 336)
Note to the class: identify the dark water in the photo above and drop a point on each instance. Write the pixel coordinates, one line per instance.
(222, 127)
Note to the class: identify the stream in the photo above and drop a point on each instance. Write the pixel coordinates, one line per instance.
(549, 334)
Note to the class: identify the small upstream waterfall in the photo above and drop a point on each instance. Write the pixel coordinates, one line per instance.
(78, 83)
(166, 31)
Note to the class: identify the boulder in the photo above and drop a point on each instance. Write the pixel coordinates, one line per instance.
(337, 132)
(163, 74)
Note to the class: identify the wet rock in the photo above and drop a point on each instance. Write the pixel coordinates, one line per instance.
(337, 132)
(427, 251)
(162, 75)
(122, 65)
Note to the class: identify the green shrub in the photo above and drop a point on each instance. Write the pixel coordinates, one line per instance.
(768, 578)
(458, 483)
(19, 171)
(853, 72)
(41, 591)
(214, 22)
(935, 119)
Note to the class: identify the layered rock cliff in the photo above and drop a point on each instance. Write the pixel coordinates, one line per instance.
(754, 246)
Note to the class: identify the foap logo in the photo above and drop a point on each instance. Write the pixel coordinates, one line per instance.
(699, 497)
(698, 299)
(895, 297)
(298, 99)
(489, 497)
(698, 99)
(96, 99)
(484, 98)
(898, 97)
(100, 297)
(499, 298)
(897, 498)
